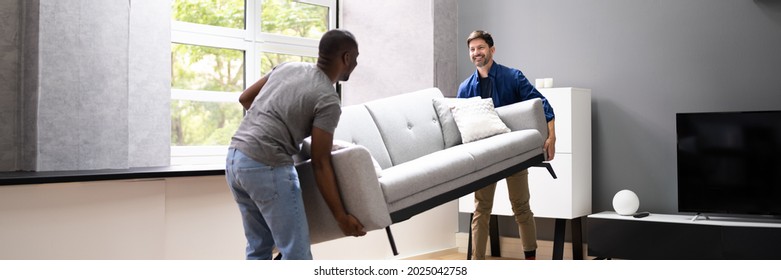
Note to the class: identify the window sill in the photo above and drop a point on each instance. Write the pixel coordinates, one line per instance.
(49, 177)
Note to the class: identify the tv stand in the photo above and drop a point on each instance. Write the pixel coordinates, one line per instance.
(698, 215)
(678, 237)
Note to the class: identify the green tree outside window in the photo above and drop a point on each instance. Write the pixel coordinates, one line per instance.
(195, 123)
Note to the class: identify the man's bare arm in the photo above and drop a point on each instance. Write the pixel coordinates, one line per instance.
(249, 94)
(550, 143)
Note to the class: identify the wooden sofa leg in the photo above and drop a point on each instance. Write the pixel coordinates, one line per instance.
(392, 242)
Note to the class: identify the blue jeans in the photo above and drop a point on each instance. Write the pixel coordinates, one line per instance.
(271, 206)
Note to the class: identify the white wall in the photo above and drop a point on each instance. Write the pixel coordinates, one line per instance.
(172, 218)
(181, 218)
(396, 52)
(405, 45)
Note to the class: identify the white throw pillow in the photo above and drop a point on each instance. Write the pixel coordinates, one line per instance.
(449, 128)
(476, 119)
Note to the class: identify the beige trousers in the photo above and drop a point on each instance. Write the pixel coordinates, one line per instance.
(518, 190)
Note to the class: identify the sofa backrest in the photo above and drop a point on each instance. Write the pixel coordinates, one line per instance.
(357, 126)
(408, 124)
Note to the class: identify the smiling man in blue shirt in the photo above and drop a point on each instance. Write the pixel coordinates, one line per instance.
(504, 85)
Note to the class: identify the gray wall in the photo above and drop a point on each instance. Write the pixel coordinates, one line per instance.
(26, 125)
(645, 61)
(93, 89)
(445, 55)
(10, 52)
(83, 85)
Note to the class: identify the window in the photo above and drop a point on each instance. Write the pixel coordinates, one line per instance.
(219, 47)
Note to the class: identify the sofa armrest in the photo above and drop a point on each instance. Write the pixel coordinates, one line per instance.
(525, 115)
(359, 189)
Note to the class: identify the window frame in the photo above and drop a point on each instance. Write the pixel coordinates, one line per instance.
(253, 42)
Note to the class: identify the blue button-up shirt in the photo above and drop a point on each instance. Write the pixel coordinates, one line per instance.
(508, 85)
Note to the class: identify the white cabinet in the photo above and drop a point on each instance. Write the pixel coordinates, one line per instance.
(568, 196)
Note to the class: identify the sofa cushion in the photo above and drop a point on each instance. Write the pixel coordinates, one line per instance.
(500, 147)
(476, 119)
(426, 195)
(412, 178)
(450, 131)
(408, 124)
(422, 173)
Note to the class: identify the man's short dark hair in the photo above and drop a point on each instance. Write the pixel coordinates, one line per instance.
(480, 34)
(336, 41)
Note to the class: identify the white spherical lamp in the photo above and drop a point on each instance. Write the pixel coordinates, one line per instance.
(626, 202)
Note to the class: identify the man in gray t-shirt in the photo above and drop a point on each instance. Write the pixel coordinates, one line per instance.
(297, 97)
(292, 102)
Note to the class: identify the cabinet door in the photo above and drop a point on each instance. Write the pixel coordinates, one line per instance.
(552, 198)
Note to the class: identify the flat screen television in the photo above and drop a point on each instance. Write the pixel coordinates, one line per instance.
(729, 163)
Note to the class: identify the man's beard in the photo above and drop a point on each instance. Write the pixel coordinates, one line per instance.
(481, 63)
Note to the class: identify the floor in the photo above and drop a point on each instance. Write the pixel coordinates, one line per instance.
(452, 254)
(544, 252)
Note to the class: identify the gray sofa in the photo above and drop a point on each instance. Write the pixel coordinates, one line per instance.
(418, 147)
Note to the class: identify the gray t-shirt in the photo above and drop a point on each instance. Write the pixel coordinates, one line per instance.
(296, 97)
